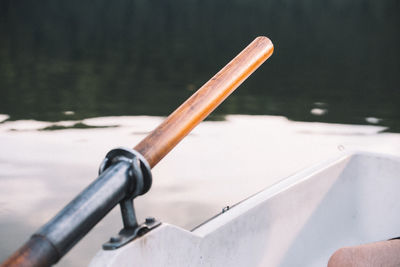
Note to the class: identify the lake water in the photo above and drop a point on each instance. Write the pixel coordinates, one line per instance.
(130, 57)
(67, 67)
(219, 164)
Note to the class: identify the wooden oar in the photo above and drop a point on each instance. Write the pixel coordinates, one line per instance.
(159, 142)
(47, 246)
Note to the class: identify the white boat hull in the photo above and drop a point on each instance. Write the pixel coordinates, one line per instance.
(300, 221)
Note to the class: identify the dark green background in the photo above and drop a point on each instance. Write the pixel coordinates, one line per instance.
(131, 57)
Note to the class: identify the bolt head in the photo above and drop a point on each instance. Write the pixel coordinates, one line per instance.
(115, 239)
(150, 220)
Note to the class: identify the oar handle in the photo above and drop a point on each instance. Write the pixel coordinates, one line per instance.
(62, 232)
(167, 135)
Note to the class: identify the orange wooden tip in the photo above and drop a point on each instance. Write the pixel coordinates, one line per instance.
(165, 137)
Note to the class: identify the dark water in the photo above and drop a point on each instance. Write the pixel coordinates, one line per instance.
(131, 57)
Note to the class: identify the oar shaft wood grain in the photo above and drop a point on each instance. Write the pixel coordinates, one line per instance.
(41, 250)
(165, 137)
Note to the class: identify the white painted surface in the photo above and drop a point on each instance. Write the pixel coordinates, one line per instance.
(300, 221)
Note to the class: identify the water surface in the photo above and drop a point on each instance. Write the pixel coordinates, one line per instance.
(219, 164)
(65, 65)
(133, 57)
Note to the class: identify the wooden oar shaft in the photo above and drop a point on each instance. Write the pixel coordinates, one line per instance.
(40, 251)
(165, 137)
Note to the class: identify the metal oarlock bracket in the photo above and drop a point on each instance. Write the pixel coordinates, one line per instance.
(140, 175)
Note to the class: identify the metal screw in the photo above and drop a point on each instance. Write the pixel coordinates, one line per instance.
(115, 239)
(150, 220)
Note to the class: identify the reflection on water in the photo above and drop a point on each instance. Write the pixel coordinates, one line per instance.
(40, 171)
(77, 59)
